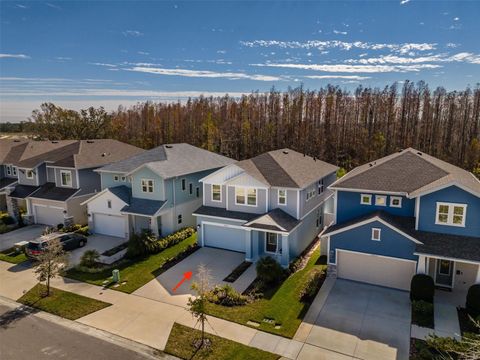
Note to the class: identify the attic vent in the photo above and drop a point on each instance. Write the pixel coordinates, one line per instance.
(370, 164)
(419, 153)
(90, 141)
(168, 146)
(104, 154)
(54, 142)
(314, 158)
(285, 152)
(400, 150)
(16, 140)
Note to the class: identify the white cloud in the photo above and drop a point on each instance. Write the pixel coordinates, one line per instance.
(456, 19)
(63, 58)
(103, 64)
(14, 56)
(143, 53)
(221, 51)
(134, 33)
(353, 68)
(392, 59)
(53, 6)
(403, 2)
(340, 32)
(203, 74)
(345, 77)
(20, 6)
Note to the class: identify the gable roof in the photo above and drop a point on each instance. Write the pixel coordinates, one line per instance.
(275, 220)
(286, 168)
(6, 146)
(170, 160)
(410, 172)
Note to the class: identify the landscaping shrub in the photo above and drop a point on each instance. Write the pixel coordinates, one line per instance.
(7, 219)
(76, 228)
(172, 239)
(422, 313)
(3, 228)
(269, 271)
(90, 258)
(422, 287)
(226, 295)
(311, 287)
(473, 301)
(60, 227)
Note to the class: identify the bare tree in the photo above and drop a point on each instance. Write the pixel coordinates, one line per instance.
(51, 261)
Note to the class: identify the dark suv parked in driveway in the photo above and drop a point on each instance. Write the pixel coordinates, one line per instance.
(69, 241)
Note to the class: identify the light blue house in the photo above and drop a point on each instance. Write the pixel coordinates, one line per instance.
(404, 214)
(156, 190)
(273, 204)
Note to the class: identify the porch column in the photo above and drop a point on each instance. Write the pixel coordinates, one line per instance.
(248, 246)
(154, 226)
(285, 251)
(477, 280)
(422, 265)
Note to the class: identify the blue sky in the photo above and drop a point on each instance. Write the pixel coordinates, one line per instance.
(109, 53)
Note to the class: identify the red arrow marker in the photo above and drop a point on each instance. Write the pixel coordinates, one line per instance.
(186, 276)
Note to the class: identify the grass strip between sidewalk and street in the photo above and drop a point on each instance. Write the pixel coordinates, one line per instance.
(62, 303)
(180, 344)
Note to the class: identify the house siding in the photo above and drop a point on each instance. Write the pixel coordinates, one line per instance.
(108, 182)
(208, 197)
(58, 178)
(290, 207)
(158, 187)
(358, 239)
(89, 179)
(453, 194)
(50, 174)
(305, 233)
(79, 212)
(349, 207)
(307, 206)
(260, 208)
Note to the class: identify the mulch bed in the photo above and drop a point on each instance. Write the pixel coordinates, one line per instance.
(237, 272)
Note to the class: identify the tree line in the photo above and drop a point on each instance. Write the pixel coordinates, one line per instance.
(347, 128)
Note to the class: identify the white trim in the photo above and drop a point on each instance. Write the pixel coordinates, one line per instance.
(203, 193)
(399, 198)
(224, 225)
(267, 199)
(335, 204)
(450, 214)
(379, 238)
(147, 185)
(368, 221)
(331, 187)
(211, 192)
(245, 189)
(378, 197)
(447, 258)
(298, 204)
(60, 167)
(116, 177)
(444, 186)
(14, 170)
(97, 195)
(276, 253)
(328, 250)
(78, 179)
(278, 197)
(369, 196)
(69, 172)
(30, 177)
(370, 254)
(218, 217)
(417, 212)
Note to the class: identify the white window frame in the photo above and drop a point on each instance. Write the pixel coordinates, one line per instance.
(14, 170)
(280, 197)
(277, 245)
(311, 193)
(377, 197)
(220, 192)
(321, 187)
(116, 178)
(8, 169)
(369, 196)
(184, 184)
(399, 198)
(374, 231)
(61, 178)
(246, 190)
(124, 178)
(145, 183)
(450, 214)
(27, 171)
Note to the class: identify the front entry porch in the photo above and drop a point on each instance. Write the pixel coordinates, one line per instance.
(449, 273)
(139, 223)
(273, 244)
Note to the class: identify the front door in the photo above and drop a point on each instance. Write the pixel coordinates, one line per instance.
(444, 273)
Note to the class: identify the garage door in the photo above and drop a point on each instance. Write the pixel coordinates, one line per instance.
(112, 225)
(224, 237)
(48, 215)
(378, 270)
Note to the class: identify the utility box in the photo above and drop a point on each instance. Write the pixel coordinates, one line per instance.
(116, 276)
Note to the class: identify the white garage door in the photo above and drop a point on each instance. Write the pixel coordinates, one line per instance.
(48, 215)
(112, 225)
(222, 237)
(373, 269)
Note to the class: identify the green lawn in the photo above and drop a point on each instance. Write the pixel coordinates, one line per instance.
(136, 272)
(11, 256)
(180, 344)
(281, 304)
(62, 303)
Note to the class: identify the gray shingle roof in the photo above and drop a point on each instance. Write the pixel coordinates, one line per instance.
(172, 160)
(49, 191)
(6, 145)
(123, 192)
(23, 191)
(223, 213)
(6, 182)
(275, 220)
(408, 171)
(286, 168)
(143, 206)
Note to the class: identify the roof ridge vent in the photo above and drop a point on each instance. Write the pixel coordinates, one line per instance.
(104, 154)
(54, 141)
(16, 140)
(285, 152)
(169, 146)
(419, 153)
(90, 141)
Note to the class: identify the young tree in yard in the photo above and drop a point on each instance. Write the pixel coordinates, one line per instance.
(50, 262)
(197, 305)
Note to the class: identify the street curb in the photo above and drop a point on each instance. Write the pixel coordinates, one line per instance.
(125, 343)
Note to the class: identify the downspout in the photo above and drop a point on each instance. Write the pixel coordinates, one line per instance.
(174, 206)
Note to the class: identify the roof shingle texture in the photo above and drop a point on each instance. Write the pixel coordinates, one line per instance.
(49, 191)
(223, 213)
(275, 220)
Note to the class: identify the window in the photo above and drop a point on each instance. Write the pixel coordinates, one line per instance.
(319, 218)
(124, 178)
(190, 188)
(272, 243)
(65, 177)
(197, 192)
(116, 178)
(109, 204)
(321, 187)
(444, 267)
(216, 193)
(246, 196)
(310, 193)
(376, 234)
(282, 197)
(179, 219)
(184, 184)
(366, 199)
(396, 201)
(9, 169)
(380, 200)
(29, 174)
(147, 185)
(14, 170)
(451, 214)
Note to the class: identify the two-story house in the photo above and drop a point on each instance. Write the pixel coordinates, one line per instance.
(156, 190)
(55, 177)
(403, 214)
(8, 172)
(270, 205)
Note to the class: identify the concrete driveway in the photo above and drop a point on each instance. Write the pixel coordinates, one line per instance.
(361, 321)
(25, 233)
(219, 262)
(97, 242)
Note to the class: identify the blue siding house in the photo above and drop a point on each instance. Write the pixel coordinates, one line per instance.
(271, 205)
(404, 214)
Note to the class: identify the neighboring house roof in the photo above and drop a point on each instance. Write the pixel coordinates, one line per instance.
(286, 168)
(275, 220)
(408, 171)
(122, 192)
(49, 191)
(23, 191)
(6, 182)
(143, 206)
(223, 213)
(171, 160)
(6, 146)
